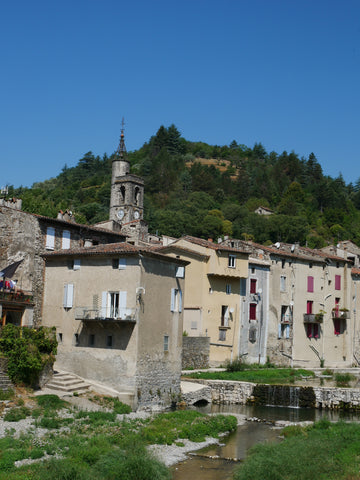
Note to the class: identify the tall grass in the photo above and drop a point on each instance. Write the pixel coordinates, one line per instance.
(324, 451)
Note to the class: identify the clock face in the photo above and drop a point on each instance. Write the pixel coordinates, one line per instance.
(120, 214)
(136, 214)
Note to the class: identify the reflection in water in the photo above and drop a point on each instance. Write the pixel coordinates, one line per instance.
(237, 444)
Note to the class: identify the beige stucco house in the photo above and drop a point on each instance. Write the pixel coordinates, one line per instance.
(118, 314)
(212, 293)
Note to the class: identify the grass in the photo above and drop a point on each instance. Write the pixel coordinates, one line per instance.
(97, 445)
(343, 379)
(257, 375)
(324, 451)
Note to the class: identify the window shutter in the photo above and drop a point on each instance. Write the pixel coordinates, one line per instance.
(180, 272)
(287, 331)
(77, 263)
(180, 300)
(252, 311)
(243, 287)
(279, 330)
(122, 263)
(310, 285)
(50, 238)
(172, 304)
(68, 295)
(252, 285)
(103, 304)
(337, 282)
(65, 240)
(122, 304)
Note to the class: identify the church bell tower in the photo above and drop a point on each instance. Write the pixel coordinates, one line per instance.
(127, 190)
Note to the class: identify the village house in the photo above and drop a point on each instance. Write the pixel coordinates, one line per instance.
(212, 293)
(24, 237)
(118, 314)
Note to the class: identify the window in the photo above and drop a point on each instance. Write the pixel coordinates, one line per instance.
(337, 282)
(232, 261)
(109, 341)
(91, 340)
(282, 283)
(222, 335)
(224, 316)
(309, 307)
(76, 339)
(252, 270)
(50, 238)
(312, 330)
(180, 272)
(284, 330)
(65, 240)
(252, 311)
(283, 263)
(252, 285)
(60, 337)
(176, 300)
(228, 289)
(68, 295)
(337, 326)
(310, 283)
(119, 263)
(166, 343)
(76, 264)
(113, 304)
(286, 314)
(243, 287)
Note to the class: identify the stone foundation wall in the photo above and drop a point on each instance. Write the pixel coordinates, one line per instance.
(195, 352)
(226, 393)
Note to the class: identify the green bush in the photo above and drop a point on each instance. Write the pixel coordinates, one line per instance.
(50, 402)
(343, 379)
(28, 350)
(16, 414)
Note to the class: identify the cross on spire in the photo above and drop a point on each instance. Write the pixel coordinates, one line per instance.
(121, 151)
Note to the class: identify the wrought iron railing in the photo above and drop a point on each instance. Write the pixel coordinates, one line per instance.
(121, 314)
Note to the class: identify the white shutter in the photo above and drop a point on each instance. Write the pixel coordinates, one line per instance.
(180, 272)
(122, 263)
(68, 295)
(180, 300)
(122, 304)
(172, 305)
(50, 238)
(65, 240)
(279, 331)
(287, 332)
(104, 296)
(77, 263)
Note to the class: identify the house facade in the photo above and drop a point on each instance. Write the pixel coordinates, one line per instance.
(25, 236)
(212, 293)
(118, 314)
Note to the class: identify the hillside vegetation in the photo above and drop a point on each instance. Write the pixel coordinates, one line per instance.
(209, 190)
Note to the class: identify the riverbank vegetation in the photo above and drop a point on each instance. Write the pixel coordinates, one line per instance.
(79, 444)
(323, 451)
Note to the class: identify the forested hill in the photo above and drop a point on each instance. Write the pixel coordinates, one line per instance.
(209, 191)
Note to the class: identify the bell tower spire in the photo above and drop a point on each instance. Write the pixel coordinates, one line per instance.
(127, 190)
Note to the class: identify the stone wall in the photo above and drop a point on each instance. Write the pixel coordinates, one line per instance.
(227, 392)
(195, 352)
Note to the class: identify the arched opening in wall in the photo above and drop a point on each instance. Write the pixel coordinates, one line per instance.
(201, 403)
(137, 195)
(122, 193)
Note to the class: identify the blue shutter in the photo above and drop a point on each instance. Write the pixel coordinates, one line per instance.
(172, 304)
(103, 304)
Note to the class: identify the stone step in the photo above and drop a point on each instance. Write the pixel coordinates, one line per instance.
(67, 382)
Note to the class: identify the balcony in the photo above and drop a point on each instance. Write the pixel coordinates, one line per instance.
(16, 298)
(94, 315)
(313, 317)
(342, 313)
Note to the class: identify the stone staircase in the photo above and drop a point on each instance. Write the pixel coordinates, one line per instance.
(5, 382)
(67, 382)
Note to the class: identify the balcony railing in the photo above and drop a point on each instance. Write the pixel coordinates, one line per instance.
(119, 315)
(20, 298)
(342, 314)
(313, 317)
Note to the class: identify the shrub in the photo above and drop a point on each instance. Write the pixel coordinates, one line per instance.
(16, 414)
(50, 402)
(28, 350)
(236, 365)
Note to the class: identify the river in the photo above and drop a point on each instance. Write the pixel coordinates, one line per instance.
(202, 465)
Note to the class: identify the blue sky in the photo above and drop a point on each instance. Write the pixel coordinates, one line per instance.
(282, 72)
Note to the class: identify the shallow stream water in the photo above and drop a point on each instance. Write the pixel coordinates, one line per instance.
(202, 465)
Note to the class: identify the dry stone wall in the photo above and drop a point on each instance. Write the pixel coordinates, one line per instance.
(195, 353)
